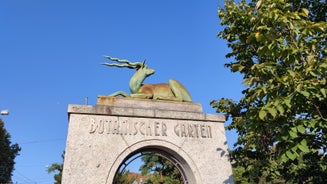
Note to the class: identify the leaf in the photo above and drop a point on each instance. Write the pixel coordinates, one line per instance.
(323, 65)
(323, 91)
(280, 108)
(272, 111)
(303, 146)
(262, 114)
(301, 129)
(237, 67)
(299, 87)
(292, 74)
(257, 6)
(284, 158)
(290, 155)
(304, 149)
(305, 11)
(303, 142)
(288, 102)
(293, 132)
(305, 93)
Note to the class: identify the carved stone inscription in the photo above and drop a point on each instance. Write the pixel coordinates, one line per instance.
(149, 128)
(104, 126)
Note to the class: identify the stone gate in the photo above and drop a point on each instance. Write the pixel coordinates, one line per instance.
(100, 138)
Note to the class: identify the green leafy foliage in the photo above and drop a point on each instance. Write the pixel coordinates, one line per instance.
(8, 153)
(280, 48)
(124, 177)
(57, 168)
(162, 171)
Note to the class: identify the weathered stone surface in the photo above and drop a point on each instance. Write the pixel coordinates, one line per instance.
(101, 137)
(144, 104)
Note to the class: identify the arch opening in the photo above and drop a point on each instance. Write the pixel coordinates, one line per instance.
(155, 164)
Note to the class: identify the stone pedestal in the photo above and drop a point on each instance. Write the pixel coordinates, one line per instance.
(101, 137)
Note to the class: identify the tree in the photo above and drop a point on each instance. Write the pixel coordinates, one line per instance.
(279, 46)
(57, 167)
(162, 171)
(8, 153)
(124, 177)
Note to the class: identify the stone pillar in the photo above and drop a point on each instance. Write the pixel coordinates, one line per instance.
(101, 137)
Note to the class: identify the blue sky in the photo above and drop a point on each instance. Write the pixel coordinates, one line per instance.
(51, 53)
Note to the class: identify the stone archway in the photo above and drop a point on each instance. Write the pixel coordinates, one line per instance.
(101, 137)
(183, 162)
(158, 153)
